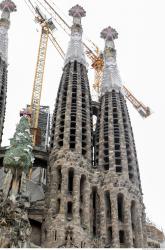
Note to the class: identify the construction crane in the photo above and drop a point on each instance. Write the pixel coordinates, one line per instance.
(47, 26)
(94, 55)
(96, 58)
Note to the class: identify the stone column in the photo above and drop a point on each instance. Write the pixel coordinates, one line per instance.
(138, 228)
(76, 198)
(144, 228)
(114, 212)
(103, 226)
(53, 188)
(87, 205)
(128, 224)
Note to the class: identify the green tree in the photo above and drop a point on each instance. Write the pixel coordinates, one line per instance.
(19, 155)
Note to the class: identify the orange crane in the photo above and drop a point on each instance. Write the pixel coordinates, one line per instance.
(95, 56)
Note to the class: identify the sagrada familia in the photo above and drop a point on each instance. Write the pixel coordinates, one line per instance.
(85, 188)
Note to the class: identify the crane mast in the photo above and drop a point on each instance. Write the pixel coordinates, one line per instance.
(34, 109)
(38, 82)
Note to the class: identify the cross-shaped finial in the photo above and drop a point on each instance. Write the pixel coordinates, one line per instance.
(109, 34)
(77, 11)
(8, 5)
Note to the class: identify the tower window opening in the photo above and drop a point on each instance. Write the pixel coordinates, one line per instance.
(109, 234)
(108, 206)
(118, 161)
(70, 181)
(121, 237)
(106, 166)
(83, 137)
(61, 136)
(73, 101)
(72, 138)
(59, 178)
(62, 129)
(62, 123)
(95, 212)
(69, 210)
(117, 154)
(60, 143)
(106, 152)
(83, 124)
(106, 144)
(82, 187)
(133, 208)
(84, 152)
(105, 138)
(120, 204)
(115, 121)
(73, 125)
(73, 118)
(115, 116)
(106, 159)
(75, 66)
(81, 216)
(117, 140)
(72, 145)
(131, 176)
(83, 130)
(118, 169)
(58, 205)
(55, 235)
(72, 131)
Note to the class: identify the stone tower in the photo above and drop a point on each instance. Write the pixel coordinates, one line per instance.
(92, 200)
(7, 7)
(71, 144)
(115, 155)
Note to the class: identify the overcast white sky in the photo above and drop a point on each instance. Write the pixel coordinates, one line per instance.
(140, 56)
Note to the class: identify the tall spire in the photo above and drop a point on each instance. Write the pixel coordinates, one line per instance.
(7, 6)
(75, 48)
(111, 78)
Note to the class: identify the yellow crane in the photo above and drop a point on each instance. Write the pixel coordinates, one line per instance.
(47, 27)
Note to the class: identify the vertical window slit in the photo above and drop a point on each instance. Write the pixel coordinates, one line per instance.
(120, 204)
(69, 210)
(70, 181)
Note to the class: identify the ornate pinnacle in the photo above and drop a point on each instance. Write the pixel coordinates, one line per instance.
(77, 11)
(75, 48)
(109, 34)
(8, 5)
